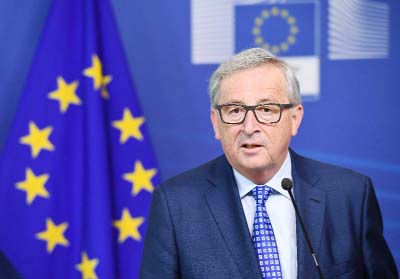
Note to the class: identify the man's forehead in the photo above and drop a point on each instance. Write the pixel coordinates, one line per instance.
(255, 95)
(265, 83)
(259, 75)
(263, 67)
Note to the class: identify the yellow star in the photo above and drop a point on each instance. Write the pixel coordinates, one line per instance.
(128, 226)
(65, 94)
(53, 235)
(33, 186)
(140, 178)
(129, 126)
(96, 72)
(87, 267)
(38, 139)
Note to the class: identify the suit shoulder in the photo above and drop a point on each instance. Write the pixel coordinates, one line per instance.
(328, 172)
(191, 178)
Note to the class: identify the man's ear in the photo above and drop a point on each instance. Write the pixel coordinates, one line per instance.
(215, 123)
(297, 115)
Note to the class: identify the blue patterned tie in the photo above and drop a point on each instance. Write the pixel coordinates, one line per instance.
(263, 236)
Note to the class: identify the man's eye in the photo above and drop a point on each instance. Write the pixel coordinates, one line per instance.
(236, 110)
(265, 109)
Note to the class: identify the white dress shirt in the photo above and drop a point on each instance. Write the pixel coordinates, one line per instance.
(281, 213)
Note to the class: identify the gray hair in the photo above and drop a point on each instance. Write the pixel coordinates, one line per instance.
(253, 58)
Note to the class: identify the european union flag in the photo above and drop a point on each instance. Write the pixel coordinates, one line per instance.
(77, 171)
(284, 29)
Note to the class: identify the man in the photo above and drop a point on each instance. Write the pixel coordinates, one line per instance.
(230, 218)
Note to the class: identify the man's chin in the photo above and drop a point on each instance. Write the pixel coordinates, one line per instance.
(257, 166)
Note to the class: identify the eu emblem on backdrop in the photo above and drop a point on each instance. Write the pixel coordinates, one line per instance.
(77, 170)
(288, 31)
(284, 30)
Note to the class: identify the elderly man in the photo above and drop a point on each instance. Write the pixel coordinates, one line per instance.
(230, 218)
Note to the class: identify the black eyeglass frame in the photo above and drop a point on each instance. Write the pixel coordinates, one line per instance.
(253, 109)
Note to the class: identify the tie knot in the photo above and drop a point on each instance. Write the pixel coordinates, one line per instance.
(261, 193)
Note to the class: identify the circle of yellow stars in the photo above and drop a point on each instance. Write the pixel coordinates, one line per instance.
(267, 14)
(38, 139)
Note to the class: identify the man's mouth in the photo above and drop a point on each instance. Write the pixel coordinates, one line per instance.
(250, 146)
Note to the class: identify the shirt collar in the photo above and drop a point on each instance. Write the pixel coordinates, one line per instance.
(245, 185)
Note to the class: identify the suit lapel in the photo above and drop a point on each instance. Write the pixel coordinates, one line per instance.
(311, 203)
(224, 203)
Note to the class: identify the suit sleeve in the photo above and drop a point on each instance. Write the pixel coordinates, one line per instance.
(159, 260)
(378, 260)
(7, 270)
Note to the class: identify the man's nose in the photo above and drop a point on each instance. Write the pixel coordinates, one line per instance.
(250, 123)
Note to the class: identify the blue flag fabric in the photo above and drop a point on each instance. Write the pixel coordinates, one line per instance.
(78, 170)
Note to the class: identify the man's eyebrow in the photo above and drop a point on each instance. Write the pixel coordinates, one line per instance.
(235, 102)
(262, 101)
(266, 100)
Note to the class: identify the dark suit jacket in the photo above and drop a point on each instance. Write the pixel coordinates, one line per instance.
(197, 228)
(7, 270)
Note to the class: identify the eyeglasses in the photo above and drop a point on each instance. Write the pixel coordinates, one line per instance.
(265, 113)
